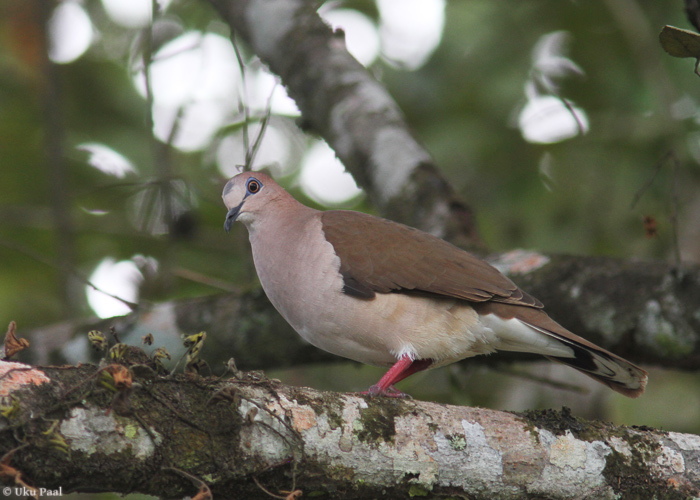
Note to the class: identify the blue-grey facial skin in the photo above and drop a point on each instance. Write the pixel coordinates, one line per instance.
(228, 187)
(233, 213)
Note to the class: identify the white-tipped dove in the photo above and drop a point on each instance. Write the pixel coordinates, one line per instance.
(386, 294)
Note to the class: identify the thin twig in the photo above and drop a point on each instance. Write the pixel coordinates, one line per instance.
(242, 102)
(522, 374)
(54, 150)
(195, 479)
(579, 124)
(674, 211)
(675, 165)
(196, 277)
(640, 192)
(577, 119)
(292, 494)
(263, 128)
(64, 267)
(170, 407)
(161, 158)
(12, 370)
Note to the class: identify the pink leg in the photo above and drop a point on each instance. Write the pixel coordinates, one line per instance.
(401, 369)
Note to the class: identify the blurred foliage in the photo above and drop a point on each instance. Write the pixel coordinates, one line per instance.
(573, 196)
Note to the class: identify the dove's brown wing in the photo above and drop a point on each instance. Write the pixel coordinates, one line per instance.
(378, 255)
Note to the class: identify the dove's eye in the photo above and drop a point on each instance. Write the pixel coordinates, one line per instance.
(253, 185)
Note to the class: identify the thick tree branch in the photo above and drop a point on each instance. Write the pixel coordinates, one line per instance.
(343, 103)
(645, 311)
(239, 434)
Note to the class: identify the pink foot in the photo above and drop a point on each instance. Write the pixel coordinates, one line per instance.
(404, 367)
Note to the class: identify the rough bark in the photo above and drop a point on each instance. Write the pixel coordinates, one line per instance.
(240, 434)
(647, 312)
(354, 113)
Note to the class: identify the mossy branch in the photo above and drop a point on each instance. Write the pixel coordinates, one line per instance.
(241, 434)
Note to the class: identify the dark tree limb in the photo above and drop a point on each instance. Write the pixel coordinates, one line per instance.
(692, 11)
(240, 434)
(648, 312)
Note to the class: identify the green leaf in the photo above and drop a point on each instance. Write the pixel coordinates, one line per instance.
(680, 43)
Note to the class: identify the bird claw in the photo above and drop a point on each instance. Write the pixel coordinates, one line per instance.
(389, 392)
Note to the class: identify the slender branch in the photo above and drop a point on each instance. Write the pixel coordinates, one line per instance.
(65, 267)
(261, 133)
(243, 103)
